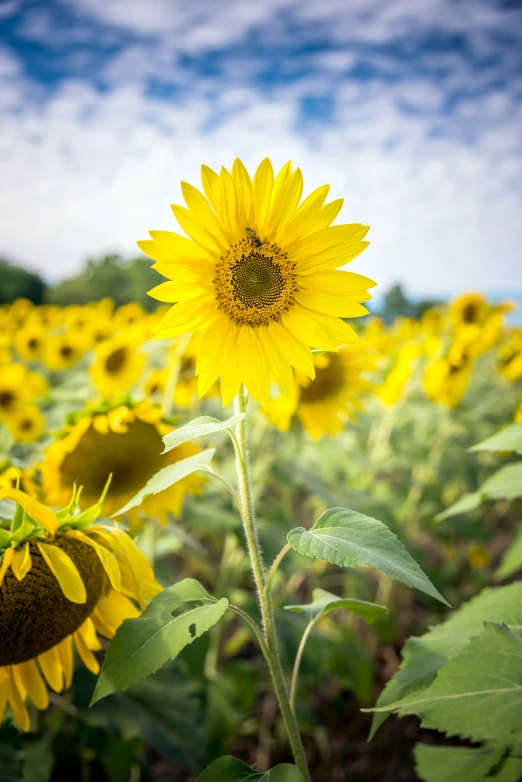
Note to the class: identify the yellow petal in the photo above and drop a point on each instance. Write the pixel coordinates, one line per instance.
(107, 559)
(201, 211)
(20, 713)
(244, 193)
(343, 283)
(21, 563)
(262, 194)
(88, 658)
(331, 239)
(212, 342)
(52, 669)
(196, 231)
(298, 321)
(229, 206)
(100, 423)
(177, 291)
(336, 329)
(331, 304)
(306, 212)
(65, 571)
(292, 349)
(281, 369)
(186, 316)
(65, 652)
(285, 203)
(6, 561)
(330, 258)
(111, 611)
(254, 366)
(33, 508)
(3, 692)
(211, 186)
(31, 679)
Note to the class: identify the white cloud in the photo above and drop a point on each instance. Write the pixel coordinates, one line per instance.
(91, 172)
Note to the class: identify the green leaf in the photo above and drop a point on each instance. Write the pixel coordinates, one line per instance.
(229, 769)
(506, 483)
(5, 538)
(39, 761)
(512, 559)
(199, 427)
(424, 657)
(510, 771)
(170, 475)
(465, 504)
(508, 439)
(453, 764)
(323, 602)
(478, 694)
(170, 622)
(349, 539)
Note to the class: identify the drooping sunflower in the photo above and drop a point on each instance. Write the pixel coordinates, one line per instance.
(324, 404)
(259, 276)
(63, 579)
(125, 442)
(118, 366)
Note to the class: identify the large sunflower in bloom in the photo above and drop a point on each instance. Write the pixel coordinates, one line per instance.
(125, 442)
(63, 580)
(258, 275)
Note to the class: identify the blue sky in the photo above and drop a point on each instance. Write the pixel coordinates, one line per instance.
(411, 110)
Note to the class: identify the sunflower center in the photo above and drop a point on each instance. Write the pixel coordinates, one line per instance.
(7, 400)
(66, 351)
(255, 283)
(327, 383)
(470, 313)
(34, 613)
(33, 344)
(115, 361)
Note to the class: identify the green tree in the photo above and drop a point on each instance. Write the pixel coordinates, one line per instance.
(122, 279)
(396, 304)
(16, 283)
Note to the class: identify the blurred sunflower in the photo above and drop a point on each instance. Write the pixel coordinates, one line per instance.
(12, 477)
(446, 379)
(62, 352)
(125, 442)
(186, 388)
(469, 309)
(29, 341)
(258, 276)
(27, 425)
(18, 385)
(63, 579)
(117, 367)
(324, 404)
(129, 315)
(399, 375)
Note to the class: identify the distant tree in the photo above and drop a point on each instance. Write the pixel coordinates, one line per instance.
(396, 304)
(122, 279)
(17, 282)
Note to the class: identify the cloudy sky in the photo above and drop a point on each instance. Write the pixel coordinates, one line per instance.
(411, 110)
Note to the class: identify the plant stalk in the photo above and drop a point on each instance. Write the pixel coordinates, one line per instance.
(265, 602)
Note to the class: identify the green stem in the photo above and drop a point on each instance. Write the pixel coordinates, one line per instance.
(297, 663)
(275, 565)
(265, 602)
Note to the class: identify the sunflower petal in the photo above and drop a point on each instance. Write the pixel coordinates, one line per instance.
(6, 561)
(52, 669)
(109, 562)
(21, 564)
(31, 679)
(302, 325)
(65, 571)
(40, 513)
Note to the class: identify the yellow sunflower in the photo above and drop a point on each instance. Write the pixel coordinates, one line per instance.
(446, 379)
(62, 351)
(399, 375)
(29, 341)
(259, 276)
(63, 579)
(469, 309)
(27, 425)
(125, 442)
(12, 477)
(324, 404)
(117, 367)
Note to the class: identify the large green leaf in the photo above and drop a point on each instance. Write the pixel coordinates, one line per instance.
(454, 764)
(424, 657)
(511, 771)
(512, 560)
(323, 602)
(170, 475)
(229, 769)
(170, 622)
(478, 694)
(349, 539)
(506, 483)
(199, 427)
(508, 439)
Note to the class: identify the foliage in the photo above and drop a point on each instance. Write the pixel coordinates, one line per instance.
(17, 283)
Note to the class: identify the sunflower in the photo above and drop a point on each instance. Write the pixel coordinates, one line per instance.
(399, 376)
(324, 404)
(63, 579)
(12, 477)
(259, 276)
(446, 379)
(28, 425)
(62, 351)
(125, 442)
(18, 385)
(117, 367)
(470, 309)
(29, 341)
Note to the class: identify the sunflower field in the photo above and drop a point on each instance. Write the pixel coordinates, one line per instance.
(246, 532)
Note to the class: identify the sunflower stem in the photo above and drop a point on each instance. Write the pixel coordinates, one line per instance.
(264, 597)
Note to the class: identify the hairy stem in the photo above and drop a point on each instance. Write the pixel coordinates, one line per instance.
(265, 602)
